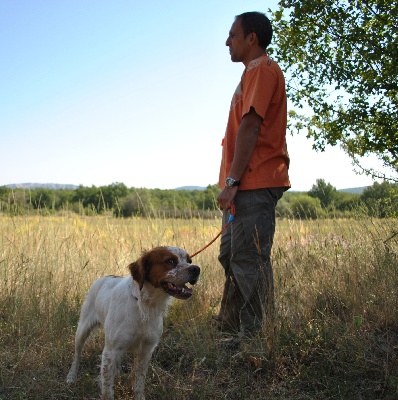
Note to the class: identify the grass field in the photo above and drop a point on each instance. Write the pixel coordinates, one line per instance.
(336, 295)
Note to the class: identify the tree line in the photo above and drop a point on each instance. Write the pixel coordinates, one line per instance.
(116, 199)
(322, 201)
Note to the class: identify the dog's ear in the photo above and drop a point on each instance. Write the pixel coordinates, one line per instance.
(138, 272)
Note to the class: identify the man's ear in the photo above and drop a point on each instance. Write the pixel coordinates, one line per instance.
(253, 38)
(138, 272)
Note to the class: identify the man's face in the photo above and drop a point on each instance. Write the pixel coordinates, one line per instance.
(237, 43)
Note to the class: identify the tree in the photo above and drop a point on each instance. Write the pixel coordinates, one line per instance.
(111, 194)
(210, 197)
(325, 192)
(381, 199)
(306, 207)
(347, 201)
(340, 60)
(88, 197)
(43, 198)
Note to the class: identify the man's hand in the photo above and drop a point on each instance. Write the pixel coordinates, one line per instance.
(226, 197)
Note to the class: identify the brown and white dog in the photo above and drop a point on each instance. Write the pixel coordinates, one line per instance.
(131, 311)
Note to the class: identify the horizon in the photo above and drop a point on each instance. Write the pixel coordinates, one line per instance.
(60, 186)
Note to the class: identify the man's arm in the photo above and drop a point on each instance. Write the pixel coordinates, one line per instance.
(246, 141)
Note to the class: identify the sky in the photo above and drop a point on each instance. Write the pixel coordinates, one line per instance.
(94, 92)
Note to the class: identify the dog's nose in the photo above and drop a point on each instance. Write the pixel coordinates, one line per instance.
(194, 270)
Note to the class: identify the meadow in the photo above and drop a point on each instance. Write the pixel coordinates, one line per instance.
(336, 334)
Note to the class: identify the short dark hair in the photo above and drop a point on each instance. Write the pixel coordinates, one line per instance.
(258, 23)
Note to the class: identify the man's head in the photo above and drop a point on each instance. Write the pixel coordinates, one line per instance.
(249, 36)
(258, 23)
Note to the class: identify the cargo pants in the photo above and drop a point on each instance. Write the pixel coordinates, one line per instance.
(245, 254)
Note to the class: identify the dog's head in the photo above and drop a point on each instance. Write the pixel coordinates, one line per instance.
(167, 268)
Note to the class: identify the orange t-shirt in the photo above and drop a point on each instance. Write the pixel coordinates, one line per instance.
(262, 87)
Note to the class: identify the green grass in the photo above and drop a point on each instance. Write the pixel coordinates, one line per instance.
(336, 287)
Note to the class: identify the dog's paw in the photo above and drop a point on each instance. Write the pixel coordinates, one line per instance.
(71, 378)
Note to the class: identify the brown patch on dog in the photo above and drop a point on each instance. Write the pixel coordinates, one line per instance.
(137, 272)
(153, 266)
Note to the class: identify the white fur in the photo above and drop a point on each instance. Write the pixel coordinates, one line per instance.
(132, 318)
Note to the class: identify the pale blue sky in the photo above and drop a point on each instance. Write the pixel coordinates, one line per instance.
(94, 92)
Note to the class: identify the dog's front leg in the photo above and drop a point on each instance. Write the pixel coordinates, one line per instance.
(111, 360)
(141, 364)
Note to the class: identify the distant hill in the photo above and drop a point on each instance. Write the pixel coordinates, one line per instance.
(56, 186)
(190, 188)
(53, 186)
(357, 190)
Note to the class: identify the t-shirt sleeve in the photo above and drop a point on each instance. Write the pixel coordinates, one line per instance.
(258, 88)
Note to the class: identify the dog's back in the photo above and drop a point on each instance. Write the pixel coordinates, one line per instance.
(99, 298)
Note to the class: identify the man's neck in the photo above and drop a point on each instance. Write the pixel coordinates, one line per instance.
(255, 54)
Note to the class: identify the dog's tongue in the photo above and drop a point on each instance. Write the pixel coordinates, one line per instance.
(186, 290)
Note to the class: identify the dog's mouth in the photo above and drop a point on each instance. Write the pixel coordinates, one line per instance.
(180, 292)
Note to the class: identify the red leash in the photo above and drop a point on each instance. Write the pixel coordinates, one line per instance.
(230, 219)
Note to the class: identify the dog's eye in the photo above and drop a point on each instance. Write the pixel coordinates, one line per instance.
(170, 261)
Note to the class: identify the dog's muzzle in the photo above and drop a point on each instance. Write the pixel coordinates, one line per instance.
(180, 290)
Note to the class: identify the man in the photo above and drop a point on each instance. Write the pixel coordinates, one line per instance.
(253, 177)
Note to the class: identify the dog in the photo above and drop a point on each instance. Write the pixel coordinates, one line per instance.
(131, 310)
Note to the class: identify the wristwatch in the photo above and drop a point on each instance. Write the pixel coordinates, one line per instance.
(230, 182)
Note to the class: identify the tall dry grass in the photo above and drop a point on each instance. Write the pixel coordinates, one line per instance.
(336, 294)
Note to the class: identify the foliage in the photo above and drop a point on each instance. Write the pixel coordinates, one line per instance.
(347, 202)
(325, 192)
(116, 199)
(340, 59)
(323, 200)
(381, 199)
(305, 207)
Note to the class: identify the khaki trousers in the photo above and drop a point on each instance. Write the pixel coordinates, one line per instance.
(245, 254)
